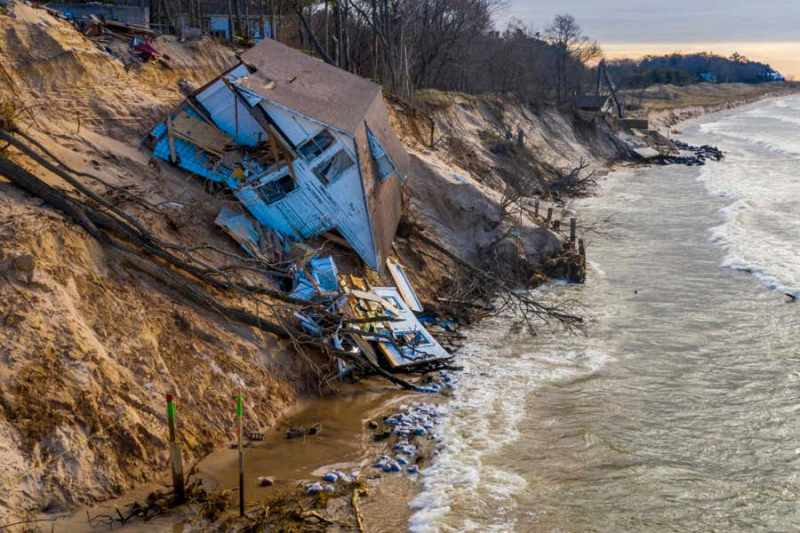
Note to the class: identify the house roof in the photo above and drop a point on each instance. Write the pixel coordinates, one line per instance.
(309, 86)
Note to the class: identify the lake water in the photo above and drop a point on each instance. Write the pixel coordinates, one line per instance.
(679, 408)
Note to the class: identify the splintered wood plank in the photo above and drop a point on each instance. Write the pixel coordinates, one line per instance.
(200, 133)
(387, 351)
(171, 141)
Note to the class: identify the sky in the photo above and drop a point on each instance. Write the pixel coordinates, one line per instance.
(763, 30)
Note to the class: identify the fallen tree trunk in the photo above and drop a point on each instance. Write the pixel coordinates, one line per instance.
(33, 185)
(69, 179)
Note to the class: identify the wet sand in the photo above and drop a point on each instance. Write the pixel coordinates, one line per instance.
(345, 443)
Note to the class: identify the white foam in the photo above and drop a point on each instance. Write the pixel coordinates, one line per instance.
(483, 418)
(761, 228)
(596, 268)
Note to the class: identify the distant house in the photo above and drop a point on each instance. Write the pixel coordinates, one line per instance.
(306, 147)
(707, 77)
(215, 21)
(136, 13)
(775, 76)
(596, 104)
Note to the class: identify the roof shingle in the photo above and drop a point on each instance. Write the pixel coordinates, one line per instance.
(309, 86)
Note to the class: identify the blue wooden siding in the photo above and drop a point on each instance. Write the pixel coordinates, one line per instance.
(312, 208)
(191, 157)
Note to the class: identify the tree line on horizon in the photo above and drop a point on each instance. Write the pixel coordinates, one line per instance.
(453, 45)
(684, 69)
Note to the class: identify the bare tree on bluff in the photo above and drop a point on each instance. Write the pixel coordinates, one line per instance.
(572, 51)
(406, 45)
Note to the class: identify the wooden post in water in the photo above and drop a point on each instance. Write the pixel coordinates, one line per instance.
(536, 208)
(175, 457)
(239, 431)
(573, 229)
(556, 225)
(549, 214)
(581, 249)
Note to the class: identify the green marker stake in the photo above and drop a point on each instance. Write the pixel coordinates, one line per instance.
(241, 453)
(175, 456)
(171, 416)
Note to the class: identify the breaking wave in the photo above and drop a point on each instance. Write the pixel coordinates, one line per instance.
(761, 177)
(463, 487)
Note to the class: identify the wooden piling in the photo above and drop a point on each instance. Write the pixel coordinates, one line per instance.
(581, 249)
(573, 229)
(240, 432)
(549, 214)
(175, 456)
(536, 208)
(556, 225)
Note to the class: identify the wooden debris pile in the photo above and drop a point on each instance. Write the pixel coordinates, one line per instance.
(375, 323)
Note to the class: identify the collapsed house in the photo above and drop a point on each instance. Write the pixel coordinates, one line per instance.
(307, 148)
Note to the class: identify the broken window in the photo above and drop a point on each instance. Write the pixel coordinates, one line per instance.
(385, 166)
(414, 338)
(273, 191)
(330, 169)
(313, 147)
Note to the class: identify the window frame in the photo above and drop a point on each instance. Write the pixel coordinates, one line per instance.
(378, 153)
(325, 160)
(313, 140)
(277, 182)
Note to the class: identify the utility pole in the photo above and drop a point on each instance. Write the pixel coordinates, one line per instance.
(176, 460)
(239, 430)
